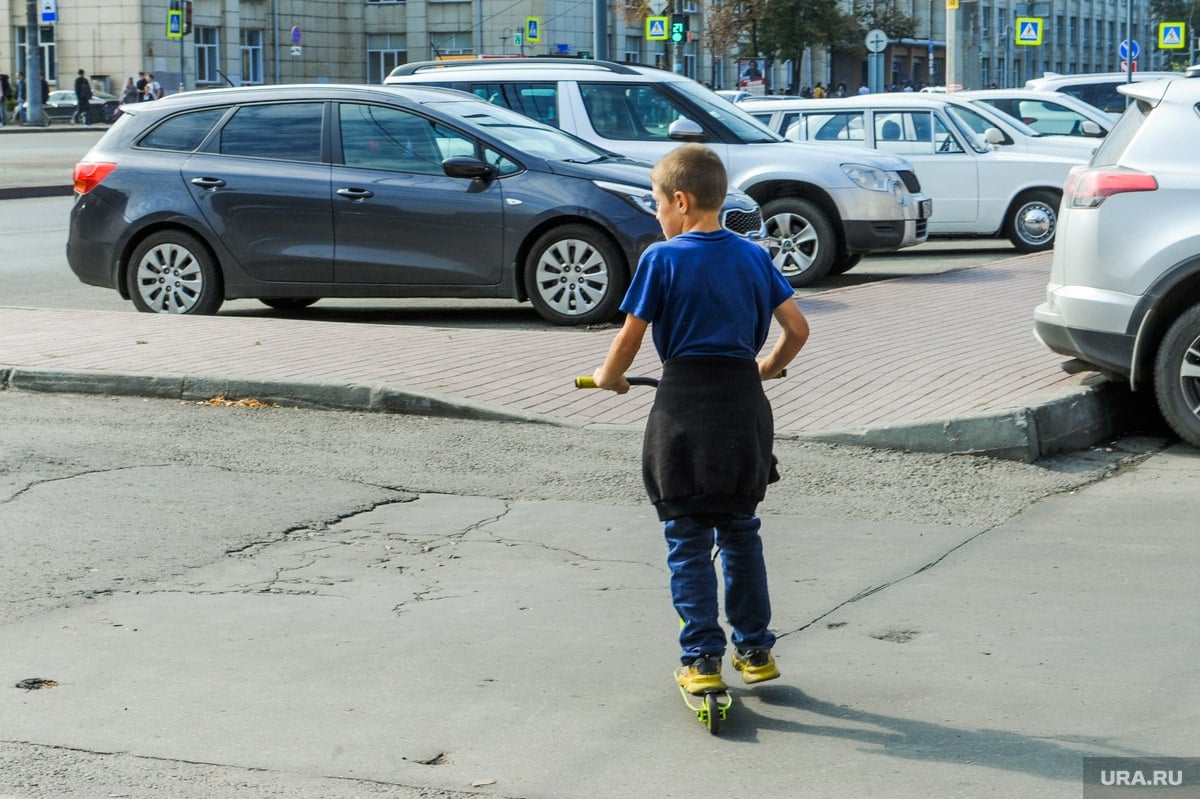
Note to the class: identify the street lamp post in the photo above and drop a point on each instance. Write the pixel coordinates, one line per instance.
(33, 65)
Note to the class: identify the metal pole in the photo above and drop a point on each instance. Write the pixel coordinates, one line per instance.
(600, 29)
(1129, 41)
(275, 18)
(33, 65)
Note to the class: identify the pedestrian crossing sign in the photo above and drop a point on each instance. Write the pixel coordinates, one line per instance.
(656, 29)
(533, 29)
(1029, 30)
(1170, 36)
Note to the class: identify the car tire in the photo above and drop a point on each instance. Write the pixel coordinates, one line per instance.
(1033, 220)
(843, 265)
(1177, 376)
(800, 239)
(288, 303)
(575, 275)
(172, 271)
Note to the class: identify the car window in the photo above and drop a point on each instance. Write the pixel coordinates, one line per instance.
(631, 113)
(1050, 117)
(382, 137)
(839, 127)
(914, 133)
(182, 133)
(522, 134)
(1114, 144)
(733, 118)
(535, 100)
(284, 131)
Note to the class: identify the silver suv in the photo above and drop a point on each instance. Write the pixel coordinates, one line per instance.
(1124, 292)
(824, 208)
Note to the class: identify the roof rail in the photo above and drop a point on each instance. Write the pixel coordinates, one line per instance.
(414, 67)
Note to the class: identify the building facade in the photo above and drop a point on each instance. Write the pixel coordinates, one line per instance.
(294, 41)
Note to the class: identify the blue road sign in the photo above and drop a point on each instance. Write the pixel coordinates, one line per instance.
(1128, 50)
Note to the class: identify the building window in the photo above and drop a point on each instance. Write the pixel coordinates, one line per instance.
(984, 19)
(385, 1)
(252, 56)
(49, 53)
(385, 52)
(633, 50)
(208, 55)
(460, 43)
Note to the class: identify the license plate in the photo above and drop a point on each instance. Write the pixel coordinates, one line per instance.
(926, 209)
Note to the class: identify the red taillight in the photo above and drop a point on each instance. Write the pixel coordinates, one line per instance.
(89, 174)
(1087, 188)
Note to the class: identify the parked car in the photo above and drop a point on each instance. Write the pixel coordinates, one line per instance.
(976, 191)
(1098, 89)
(1047, 112)
(293, 193)
(824, 209)
(1005, 132)
(1124, 290)
(62, 105)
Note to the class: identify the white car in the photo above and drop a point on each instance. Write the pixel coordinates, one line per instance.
(823, 208)
(1098, 89)
(1047, 112)
(976, 191)
(1124, 290)
(1005, 132)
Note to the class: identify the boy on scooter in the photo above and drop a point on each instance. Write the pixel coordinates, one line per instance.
(709, 296)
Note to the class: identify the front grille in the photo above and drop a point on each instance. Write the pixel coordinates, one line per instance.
(743, 223)
(922, 228)
(910, 181)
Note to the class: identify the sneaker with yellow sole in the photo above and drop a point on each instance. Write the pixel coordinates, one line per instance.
(701, 676)
(756, 665)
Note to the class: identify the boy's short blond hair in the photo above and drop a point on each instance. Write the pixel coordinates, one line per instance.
(696, 170)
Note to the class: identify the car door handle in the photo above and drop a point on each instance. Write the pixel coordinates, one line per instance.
(356, 194)
(208, 183)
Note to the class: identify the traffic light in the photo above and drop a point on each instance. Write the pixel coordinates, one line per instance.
(679, 28)
(187, 17)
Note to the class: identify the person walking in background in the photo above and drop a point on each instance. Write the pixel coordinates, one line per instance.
(5, 95)
(83, 98)
(131, 93)
(153, 88)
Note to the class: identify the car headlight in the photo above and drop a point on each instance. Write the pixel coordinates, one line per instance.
(869, 178)
(640, 198)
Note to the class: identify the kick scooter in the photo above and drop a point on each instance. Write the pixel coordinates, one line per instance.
(711, 707)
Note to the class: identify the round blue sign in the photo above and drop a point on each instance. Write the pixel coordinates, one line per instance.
(1128, 50)
(296, 35)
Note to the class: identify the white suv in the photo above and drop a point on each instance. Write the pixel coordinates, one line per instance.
(823, 209)
(1124, 292)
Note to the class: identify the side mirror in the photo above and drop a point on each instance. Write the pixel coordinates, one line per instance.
(993, 136)
(1090, 128)
(465, 166)
(684, 129)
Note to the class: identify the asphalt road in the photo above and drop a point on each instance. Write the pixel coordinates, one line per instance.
(260, 602)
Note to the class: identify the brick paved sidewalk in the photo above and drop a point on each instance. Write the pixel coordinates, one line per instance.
(897, 351)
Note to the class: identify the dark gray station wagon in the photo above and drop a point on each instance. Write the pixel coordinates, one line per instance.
(293, 193)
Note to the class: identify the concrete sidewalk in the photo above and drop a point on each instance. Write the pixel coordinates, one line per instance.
(943, 363)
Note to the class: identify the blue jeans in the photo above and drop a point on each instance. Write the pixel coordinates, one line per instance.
(694, 584)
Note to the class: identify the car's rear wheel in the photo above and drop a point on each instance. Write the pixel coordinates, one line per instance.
(800, 239)
(575, 276)
(1033, 221)
(173, 272)
(288, 303)
(1177, 376)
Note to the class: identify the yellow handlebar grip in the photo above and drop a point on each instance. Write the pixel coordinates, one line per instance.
(585, 381)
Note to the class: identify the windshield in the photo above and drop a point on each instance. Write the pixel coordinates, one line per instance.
(980, 123)
(742, 125)
(522, 133)
(974, 142)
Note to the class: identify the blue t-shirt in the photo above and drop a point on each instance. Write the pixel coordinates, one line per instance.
(706, 294)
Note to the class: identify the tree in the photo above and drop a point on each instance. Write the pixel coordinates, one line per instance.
(886, 15)
(1186, 11)
(788, 27)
